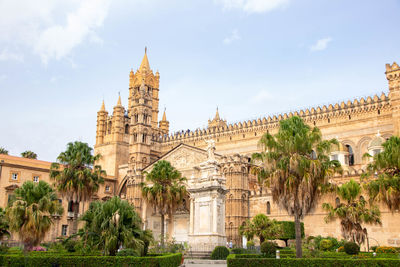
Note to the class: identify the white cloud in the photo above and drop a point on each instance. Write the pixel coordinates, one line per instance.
(321, 44)
(233, 37)
(262, 96)
(253, 6)
(6, 55)
(3, 77)
(52, 29)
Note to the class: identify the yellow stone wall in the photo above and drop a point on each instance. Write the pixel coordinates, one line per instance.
(26, 169)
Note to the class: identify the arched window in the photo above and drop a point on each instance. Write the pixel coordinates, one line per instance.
(337, 202)
(127, 128)
(268, 207)
(136, 117)
(109, 127)
(351, 155)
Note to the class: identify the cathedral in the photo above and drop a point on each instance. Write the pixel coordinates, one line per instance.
(223, 192)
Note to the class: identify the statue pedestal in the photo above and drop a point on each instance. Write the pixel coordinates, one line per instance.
(207, 209)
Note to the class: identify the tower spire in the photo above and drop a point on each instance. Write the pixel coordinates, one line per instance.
(164, 117)
(103, 107)
(119, 99)
(145, 61)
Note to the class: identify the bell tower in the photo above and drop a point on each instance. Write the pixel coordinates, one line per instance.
(144, 131)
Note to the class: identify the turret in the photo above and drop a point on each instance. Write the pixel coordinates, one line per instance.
(393, 77)
(118, 121)
(101, 124)
(216, 122)
(164, 125)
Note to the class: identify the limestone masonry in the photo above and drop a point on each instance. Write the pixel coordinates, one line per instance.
(223, 192)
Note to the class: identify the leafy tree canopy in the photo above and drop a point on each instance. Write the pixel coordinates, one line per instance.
(29, 154)
(353, 213)
(385, 173)
(165, 189)
(31, 214)
(296, 166)
(113, 224)
(3, 151)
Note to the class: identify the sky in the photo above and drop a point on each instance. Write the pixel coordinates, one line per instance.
(250, 58)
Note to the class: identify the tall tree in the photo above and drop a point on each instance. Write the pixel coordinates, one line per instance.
(260, 226)
(113, 224)
(165, 190)
(3, 151)
(31, 214)
(353, 213)
(296, 166)
(4, 224)
(384, 171)
(29, 154)
(77, 178)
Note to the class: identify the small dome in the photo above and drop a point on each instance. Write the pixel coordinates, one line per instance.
(377, 141)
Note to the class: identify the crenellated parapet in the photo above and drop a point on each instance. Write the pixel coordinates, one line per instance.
(320, 116)
(393, 76)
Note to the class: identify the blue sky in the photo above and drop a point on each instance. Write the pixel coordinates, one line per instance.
(251, 58)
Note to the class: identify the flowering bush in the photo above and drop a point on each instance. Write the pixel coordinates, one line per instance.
(38, 248)
(384, 249)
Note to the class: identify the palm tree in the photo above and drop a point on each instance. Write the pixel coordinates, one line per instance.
(4, 225)
(29, 154)
(385, 165)
(31, 214)
(166, 190)
(3, 151)
(78, 179)
(113, 224)
(353, 213)
(296, 166)
(260, 226)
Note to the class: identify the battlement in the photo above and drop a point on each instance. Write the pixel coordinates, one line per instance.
(392, 68)
(310, 115)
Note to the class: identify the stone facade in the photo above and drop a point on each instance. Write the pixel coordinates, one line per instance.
(361, 125)
(14, 171)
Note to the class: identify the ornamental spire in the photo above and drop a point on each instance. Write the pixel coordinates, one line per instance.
(145, 61)
(164, 117)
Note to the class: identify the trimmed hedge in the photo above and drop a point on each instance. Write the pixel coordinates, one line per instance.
(239, 261)
(169, 260)
(220, 253)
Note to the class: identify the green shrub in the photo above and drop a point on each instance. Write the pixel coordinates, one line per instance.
(128, 252)
(255, 261)
(15, 250)
(250, 244)
(238, 251)
(325, 244)
(288, 231)
(70, 245)
(268, 249)
(168, 260)
(351, 248)
(373, 248)
(220, 253)
(4, 249)
(384, 249)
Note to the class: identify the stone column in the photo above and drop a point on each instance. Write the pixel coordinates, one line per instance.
(191, 216)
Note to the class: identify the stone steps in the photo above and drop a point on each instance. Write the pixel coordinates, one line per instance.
(198, 255)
